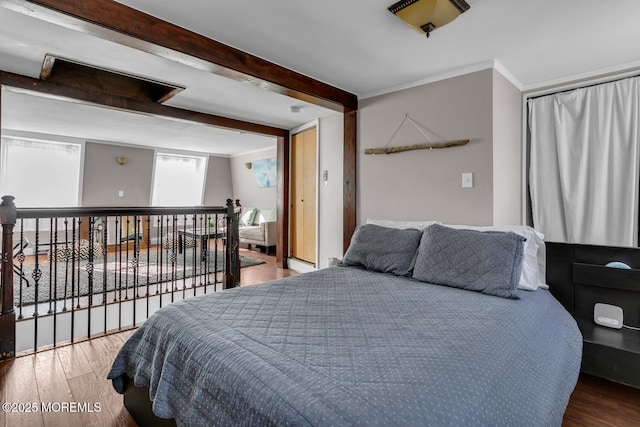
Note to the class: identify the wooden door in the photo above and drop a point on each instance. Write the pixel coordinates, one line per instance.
(303, 196)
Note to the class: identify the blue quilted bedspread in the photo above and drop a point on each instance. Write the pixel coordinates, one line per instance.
(345, 346)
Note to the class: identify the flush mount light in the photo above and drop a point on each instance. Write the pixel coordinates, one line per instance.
(425, 16)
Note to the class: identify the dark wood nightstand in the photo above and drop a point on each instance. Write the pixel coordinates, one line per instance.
(578, 278)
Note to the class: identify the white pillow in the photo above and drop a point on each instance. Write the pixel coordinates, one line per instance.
(418, 225)
(534, 261)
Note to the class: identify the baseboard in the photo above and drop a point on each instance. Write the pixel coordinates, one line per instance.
(300, 266)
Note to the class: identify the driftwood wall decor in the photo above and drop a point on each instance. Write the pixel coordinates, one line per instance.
(429, 145)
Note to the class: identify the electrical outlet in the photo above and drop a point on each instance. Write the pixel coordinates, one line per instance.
(120, 193)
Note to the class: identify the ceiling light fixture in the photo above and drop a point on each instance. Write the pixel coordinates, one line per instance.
(425, 16)
(294, 109)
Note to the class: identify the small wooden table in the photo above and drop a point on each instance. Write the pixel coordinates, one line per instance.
(203, 234)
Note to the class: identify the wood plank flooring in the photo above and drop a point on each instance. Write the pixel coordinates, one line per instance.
(77, 373)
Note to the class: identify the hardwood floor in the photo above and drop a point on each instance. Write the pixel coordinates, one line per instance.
(596, 402)
(73, 373)
(77, 373)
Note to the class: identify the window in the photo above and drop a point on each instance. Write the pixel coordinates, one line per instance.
(40, 173)
(178, 180)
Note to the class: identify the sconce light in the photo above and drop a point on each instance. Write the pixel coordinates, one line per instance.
(248, 165)
(425, 16)
(121, 160)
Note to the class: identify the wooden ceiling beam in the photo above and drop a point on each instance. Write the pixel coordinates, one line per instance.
(83, 95)
(122, 24)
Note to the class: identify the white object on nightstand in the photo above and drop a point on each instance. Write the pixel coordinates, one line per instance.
(608, 315)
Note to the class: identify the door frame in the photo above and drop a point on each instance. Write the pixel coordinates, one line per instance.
(299, 264)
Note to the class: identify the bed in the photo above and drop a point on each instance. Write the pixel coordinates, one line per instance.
(369, 342)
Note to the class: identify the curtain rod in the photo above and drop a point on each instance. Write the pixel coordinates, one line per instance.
(635, 74)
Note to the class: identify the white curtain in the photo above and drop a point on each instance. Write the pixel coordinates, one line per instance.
(584, 164)
(178, 180)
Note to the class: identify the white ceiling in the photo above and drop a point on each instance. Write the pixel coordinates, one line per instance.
(356, 45)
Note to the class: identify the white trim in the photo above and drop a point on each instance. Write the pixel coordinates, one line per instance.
(433, 78)
(583, 79)
(254, 151)
(300, 266)
(497, 65)
(525, 156)
(69, 139)
(305, 126)
(318, 174)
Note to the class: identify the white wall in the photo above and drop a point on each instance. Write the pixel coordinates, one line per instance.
(331, 149)
(245, 187)
(426, 184)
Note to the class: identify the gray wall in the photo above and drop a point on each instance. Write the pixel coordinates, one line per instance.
(426, 184)
(244, 181)
(218, 187)
(331, 149)
(103, 176)
(507, 152)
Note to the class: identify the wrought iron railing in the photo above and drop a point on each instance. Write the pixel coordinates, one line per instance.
(76, 273)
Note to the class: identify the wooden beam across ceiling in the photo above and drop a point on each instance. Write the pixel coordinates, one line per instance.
(79, 94)
(136, 29)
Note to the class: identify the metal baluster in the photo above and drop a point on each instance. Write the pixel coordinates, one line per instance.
(126, 266)
(73, 274)
(53, 260)
(115, 263)
(202, 256)
(21, 258)
(66, 262)
(184, 259)
(148, 259)
(89, 269)
(174, 255)
(159, 278)
(134, 263)
(136, 255)
(105, 274)
(194, 258)
(76, 256)
(51, 273)
(119, 269)
(36, 275)
(215, 252)
(207, 272)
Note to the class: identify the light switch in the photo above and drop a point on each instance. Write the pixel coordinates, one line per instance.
(120, 193)
(467, 180)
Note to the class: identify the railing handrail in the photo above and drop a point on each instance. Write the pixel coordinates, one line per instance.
(9, 214)
(117, 211)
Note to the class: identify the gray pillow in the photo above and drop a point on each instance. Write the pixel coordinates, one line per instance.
(383, 249)
(489, 262)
